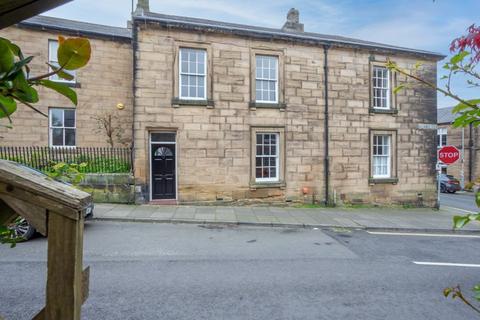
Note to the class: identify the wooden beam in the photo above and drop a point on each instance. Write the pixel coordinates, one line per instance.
(35, 215)
(28, 196)
(85, 292)
(14, 11)
(54, 195)
(64, 275)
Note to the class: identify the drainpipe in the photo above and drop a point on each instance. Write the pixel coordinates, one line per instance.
(326, 160)
(134, 100)
(470, 153)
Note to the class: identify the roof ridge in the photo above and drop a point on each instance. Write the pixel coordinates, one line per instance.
(280, 32)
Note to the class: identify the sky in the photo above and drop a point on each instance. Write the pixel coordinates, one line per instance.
(420, 24)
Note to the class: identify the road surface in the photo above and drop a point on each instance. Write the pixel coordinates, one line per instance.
(167, 271)
(464, 201)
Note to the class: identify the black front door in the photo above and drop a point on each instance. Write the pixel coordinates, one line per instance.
(163, 171)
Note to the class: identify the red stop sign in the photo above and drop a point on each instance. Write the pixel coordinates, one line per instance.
(448, 154)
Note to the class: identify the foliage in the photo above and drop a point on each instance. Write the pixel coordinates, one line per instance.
(7, 236)
(465, 60)
(65, 172)
(16, 84)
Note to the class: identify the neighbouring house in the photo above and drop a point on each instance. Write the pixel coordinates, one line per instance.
(465, 139)
(226, 112)
(101, 85)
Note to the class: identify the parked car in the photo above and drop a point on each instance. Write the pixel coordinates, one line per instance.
(449, 183)
(23, 230)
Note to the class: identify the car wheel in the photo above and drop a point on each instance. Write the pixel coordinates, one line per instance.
(22, 230)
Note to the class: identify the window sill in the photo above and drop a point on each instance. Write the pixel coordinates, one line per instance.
(253, 105)
(177, 102)
(382, 181)
(383, 111)
(263, 185)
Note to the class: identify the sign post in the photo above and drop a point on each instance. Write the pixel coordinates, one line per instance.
(446, 155)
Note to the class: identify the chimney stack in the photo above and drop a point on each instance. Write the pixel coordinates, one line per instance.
(293, 21)
(143, 6)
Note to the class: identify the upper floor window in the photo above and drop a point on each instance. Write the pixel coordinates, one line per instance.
(266, 79)
(381, 156)
(193, 74)
(441, 137)
(381, 87)
(53, 60)
(62, 125)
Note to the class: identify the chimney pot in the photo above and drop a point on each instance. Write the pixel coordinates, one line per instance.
(293, 21)
(143, 6)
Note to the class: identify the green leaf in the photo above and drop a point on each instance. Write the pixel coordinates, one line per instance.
(398, 88)
(446, 292)
(7, 106)
(60, 88)
(477, 199)
(462, 106)
(460, 221)
(73, 53)
(62, 74)
(6, 56)
(22, 90)
(459, 57)
(18, 66)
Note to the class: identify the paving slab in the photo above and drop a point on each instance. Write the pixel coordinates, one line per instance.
(374, 218)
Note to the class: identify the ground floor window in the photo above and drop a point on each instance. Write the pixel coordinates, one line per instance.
(62, 126)
(383, 154)
(266, 158)
(267, 154)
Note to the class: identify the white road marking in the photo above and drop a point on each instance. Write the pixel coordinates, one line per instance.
(424, 234)
(447, 264)
(458, 209)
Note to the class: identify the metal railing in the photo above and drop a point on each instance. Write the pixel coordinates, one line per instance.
(97, 160)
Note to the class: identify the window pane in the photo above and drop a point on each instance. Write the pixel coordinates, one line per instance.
(52, 50)
(57, 137)
(57, 117)
(69, 137)
(258, 173)
(259, 150)
(69, 116)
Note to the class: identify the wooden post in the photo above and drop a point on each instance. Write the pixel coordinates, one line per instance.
(64, 277)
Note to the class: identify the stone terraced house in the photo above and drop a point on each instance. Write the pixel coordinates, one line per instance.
(225, 112)
(465, 139)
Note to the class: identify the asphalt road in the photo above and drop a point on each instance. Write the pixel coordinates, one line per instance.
(166, 271)
(463, 201)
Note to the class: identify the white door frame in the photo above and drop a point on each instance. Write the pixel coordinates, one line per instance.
(150, 143)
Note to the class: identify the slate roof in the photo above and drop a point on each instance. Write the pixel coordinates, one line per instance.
(77, 27)
(271, 33)
(444, 115)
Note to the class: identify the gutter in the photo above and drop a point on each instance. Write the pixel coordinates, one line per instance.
(73, 32)
(326, 160)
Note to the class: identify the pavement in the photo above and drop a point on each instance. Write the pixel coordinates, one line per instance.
(396, 219)
(152, 271)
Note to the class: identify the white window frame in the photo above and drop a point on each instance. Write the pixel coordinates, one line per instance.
(388, 156)
(257, 79)
(51, 127)
(387, 88)
(440, 133)
(277, 157)
(181, 73)
(53, 59)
